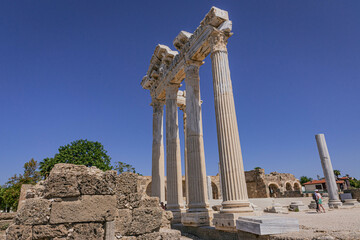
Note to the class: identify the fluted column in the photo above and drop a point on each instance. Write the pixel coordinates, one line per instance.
(234, 192)
(183, 108)
(158, 174)
(328, 171)
(198, 200)
(173, 155)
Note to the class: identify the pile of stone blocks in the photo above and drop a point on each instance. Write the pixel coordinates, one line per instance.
(77, 202)
(276, 208)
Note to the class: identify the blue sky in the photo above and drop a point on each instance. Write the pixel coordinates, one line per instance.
(72, 70)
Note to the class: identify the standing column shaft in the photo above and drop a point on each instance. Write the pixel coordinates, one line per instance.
(234, 191)
(158, 175)
(198, 200)
(328, 171)
(173, 155)
(185, 157)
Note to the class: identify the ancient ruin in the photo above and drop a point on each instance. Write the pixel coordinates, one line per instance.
(166, 72)
(76, 202)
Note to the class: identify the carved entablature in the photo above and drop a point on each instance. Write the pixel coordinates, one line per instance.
(167, 66)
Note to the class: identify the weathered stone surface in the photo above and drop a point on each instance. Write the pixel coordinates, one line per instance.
(167, 216)
(62, 181)
(126, 183)
(69, 180)
(149, 202)
(19, 232)
(49, 231)
(93, 208)
(97, 182)
(163, 234)
(123, 221)
(145, 220)
(88, 231)
(7, 216)
(34, 212)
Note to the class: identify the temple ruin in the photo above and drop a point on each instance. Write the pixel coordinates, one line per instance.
(167, 70)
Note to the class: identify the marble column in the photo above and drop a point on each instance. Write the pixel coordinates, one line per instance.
(158, 174)
(328, 171)
(173, 155)
(235, 198)
(183, 108)
(197, 212)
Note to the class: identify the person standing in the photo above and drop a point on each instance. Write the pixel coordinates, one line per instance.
(315, 197)
(319, 198)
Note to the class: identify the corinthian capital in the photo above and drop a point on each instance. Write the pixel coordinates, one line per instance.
(218, 41)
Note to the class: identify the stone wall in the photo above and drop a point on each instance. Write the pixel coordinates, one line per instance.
(76, 202)
(355, 193)
(256, 184)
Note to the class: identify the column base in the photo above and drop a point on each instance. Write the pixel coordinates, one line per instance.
(227, 221)
(197, 219)
(335, 203)
(177, 215)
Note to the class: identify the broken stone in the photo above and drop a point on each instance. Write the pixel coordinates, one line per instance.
(34, 212)
(145, 220)
(49, 231)
(19, 232)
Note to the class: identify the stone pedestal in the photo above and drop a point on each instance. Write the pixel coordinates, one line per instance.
(328, 171)
(173, 155)
(196, 219)
(158, 174)
(265, 225)
(298, 206)
(351, 202)
(234, 191)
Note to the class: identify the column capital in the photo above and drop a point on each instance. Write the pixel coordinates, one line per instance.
(218, 41)
(172, 91)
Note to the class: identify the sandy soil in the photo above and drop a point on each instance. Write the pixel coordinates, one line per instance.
(334, 224)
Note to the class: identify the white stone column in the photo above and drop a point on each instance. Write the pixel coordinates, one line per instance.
(234, 191)
(328, 171)
(173, 155)
(197, 212)
(158, 174)
(183, 108)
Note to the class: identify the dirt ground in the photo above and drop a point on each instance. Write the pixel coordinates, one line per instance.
(334, 224)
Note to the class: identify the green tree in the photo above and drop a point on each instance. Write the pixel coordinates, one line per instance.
(10, 193)
(354, 182)
(305, 179)
(337, 173)
(121, 167)
(257, 168)
(79, 152)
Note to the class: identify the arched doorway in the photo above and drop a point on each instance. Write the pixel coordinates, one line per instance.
(288, 186)
(297, 186)
(215, 191)
(274, 190)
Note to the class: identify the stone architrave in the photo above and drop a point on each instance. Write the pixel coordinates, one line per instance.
(235, 198)
(173, 154)
(197, 212)
(328, 171)
(158, 174)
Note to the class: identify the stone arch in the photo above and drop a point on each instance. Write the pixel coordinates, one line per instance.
(297, 186)
(215, 191)
(274, 189)
(288, 186)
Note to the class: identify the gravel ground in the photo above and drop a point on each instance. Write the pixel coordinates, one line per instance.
(334, 224)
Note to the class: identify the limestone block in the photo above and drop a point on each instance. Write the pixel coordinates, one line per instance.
(130, 201)
(264, 225)
(275, 208)
(163, 234)
(167, 216)
(145, 220)
(34, 212)
(49, 231)
(351, 202)
(19, 232)
(123, 221)
(61, 185)
(298, 205)
(7, 216)
(90, 208)
(149, 202)
(195, 219)
(97, 182)
(126, 183)
(88, 231)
